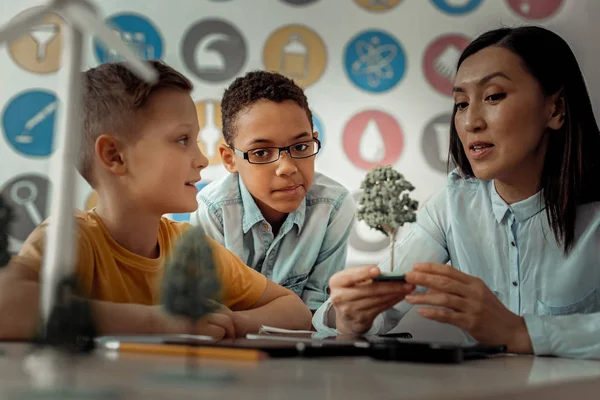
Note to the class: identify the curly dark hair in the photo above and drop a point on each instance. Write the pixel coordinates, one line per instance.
(256, 86)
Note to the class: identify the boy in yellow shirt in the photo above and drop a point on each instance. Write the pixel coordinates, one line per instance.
(139, 152)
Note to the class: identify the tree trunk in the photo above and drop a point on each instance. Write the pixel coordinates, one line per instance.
(392, 243)
(191, 355)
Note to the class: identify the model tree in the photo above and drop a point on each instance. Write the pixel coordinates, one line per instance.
(5, 218)
(385, 203)
(190, 286)
(67, 337)
(71, 325)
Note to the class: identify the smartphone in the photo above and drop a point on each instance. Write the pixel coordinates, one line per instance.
(390, 278)
(417, 352)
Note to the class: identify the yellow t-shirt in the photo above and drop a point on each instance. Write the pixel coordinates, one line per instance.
(109, 272)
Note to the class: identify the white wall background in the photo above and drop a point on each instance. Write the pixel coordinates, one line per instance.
(412, 102)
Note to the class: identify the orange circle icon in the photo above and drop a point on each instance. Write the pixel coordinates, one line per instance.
(296, 52)
(210, 136)
(39, 51)
(378, 6)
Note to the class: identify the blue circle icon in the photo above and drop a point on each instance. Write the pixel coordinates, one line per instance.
(374, 61)
(457, 7)
(185, 217)
(136, 31)
(318, 127)
(28, 122)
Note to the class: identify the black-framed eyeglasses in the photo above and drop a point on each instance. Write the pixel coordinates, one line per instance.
(267, 155)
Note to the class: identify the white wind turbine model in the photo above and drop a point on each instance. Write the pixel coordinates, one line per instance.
(80, 19)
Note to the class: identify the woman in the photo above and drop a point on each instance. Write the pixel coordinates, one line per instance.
(519, 219)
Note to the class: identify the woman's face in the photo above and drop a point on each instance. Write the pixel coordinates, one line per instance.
(502, 115)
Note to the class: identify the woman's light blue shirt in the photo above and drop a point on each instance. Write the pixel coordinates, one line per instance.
(514, 251)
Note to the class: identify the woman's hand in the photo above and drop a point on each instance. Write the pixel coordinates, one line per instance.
(358, 300)
(468, 304)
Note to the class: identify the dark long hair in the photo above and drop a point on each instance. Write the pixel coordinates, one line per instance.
(571, 170)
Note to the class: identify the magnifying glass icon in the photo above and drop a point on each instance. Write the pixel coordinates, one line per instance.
(27, 201)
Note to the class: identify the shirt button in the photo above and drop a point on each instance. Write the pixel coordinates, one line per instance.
(265, 227)
(512, 244)
(515, 283)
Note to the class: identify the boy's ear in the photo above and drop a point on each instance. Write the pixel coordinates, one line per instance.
(109, 154)
(558, 110)
(228, 159)
(315, 134)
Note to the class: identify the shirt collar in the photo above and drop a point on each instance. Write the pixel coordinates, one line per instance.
(522, 210)
(252, 214)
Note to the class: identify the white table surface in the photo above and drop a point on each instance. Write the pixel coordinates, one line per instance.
(133, 375)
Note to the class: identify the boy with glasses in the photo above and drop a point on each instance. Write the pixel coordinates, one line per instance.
(274, 211)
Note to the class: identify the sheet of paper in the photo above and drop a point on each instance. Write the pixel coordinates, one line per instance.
(271, 329)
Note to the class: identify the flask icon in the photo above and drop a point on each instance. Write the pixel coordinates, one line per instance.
(294, 58)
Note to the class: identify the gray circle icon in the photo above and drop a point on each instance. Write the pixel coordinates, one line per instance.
(436, 141)
(214, 50)
(27, 196)
(361, 244)
(299, 2)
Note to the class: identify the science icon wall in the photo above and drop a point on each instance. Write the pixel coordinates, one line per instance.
(378, 75)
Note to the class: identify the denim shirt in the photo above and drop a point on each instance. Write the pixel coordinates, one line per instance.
(514, 251)
(310, 246)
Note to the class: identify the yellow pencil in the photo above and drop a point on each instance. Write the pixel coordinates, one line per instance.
(222, 353)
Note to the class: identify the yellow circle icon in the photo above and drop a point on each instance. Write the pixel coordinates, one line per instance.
(296, 52)
(39, 50)
(92, 201)
(210, 136)
(378, 5)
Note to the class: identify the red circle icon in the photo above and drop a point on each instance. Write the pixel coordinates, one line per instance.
(439, 63)
(535, 9)
(372, 138)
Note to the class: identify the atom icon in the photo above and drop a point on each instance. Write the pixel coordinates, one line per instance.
(374, 61)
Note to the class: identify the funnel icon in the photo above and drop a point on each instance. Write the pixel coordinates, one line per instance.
(42, 35)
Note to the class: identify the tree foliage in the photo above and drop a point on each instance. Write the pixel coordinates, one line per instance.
(190, 287)
(385, 202)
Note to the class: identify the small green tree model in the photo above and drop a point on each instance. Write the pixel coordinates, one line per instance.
(5, 219)
(190, 286)
(385, 203)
